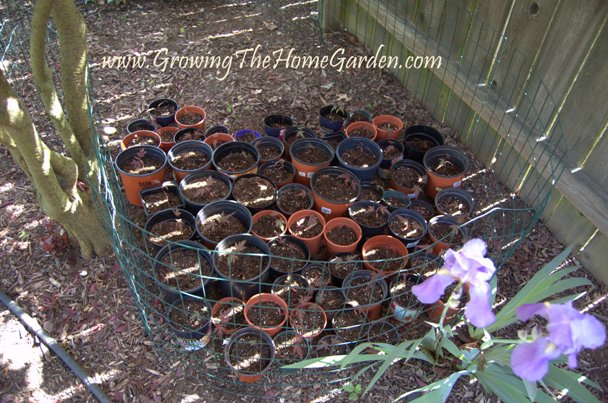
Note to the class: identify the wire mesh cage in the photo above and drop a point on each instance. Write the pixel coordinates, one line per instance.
(236, 304)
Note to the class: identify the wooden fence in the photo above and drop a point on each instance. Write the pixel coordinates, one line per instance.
(524, 84)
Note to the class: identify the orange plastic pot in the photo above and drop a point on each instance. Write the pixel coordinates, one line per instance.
(329, 208)
(314, 244)
(435, 310)
(133, 183)
(265, 213)
(383, 133)
(216, 139)
(308, 308)
(169, 132)
(193, 109)
(216, 320)
(438, 182)
(128, 139)
(266, 297)
(305, 170)
(385, 241)
(361, 125)
(334, 248)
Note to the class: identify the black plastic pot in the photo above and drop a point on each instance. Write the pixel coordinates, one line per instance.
(194, 206)
(367, 230)
(203, 255)
(246, 376)
(375, 188)
(420, 204)
(243, 289)
(294, 186)
(365, 174)
(198, 135)
(191, 339)
(286, 164)
(140, 124)
(390, 194)
(273, 142)
(322, 295)
(462, 194)
(405, 307)
(227, 207)
(184, 147)
(290, 337)
(328, 125)
(408, 191)
(235, 147)
(301, 288)
(274, 120)
(359, 115)
(409, 242)
(336, 346)
(167, 215)
(385, 165)
(216, 129)
(295, 265)
(269, 203)
(419, 132)
(293, 134)
(162, 120)
(325, 275)
(337, 279)
(367, 275)
(167, 187)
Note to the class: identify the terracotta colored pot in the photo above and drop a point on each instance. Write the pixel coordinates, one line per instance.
(126, 141)
(305, 170)
(434, 311)
(386, 241)
(264, 213)
(362, 125)
(384, 134)
(438, 182)
(448, 241)
(193, 109)
(266, 297)
(308, 308)
(334, 248)
(216, 139)
(248, 377)
(330, 208)
(234, 304)
(133, 183)
(313, 243)
(372, 310)
(168, 131)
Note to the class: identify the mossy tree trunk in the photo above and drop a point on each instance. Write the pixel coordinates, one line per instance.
(58, 179)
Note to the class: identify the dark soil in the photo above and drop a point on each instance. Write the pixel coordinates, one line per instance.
(425, 210)
(164, 109)
(342, 266)
(316, 276)
(220, 226)
(268, 151)
(248, 137)
(361, 132)
(389, 258)
(283, 254)
(235, 265)
(230, 316)
(293, 290)
(254, 191)
(391, 152)
(389, 127)
(335, 116)
(334, 141)
(166, 136)
(397, 201)
(140, 126)
(359, 157)
(292, 200)
(371, 194)
(289, 140)
(190, 160)
(330, 299)
(406, 227)
(269, 226)
(217, 142)
(382, 333)
(181, 269)
(408, 177)
(357, 117)
(190, 118)
(364, 291)
(351, 325)
(170, 230)
(159, 201)
(205, 190)
(342, 235)
(307, 227)
(337, 188)
(401, 290)
(331, 345)
(236, 161)
(290, 348)
(452, 205)
(307, 320)
(420, 144)
(277, 173)
(138, 140)
(424, 264)
(192, 134)
(250, 354)
(312, 155)
(441, 230)
(445, 167)
(371, 216)
(141, 165)
(279, 125)
(265, 314)
(190, 313)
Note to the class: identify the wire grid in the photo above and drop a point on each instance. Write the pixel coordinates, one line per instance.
(201, 349)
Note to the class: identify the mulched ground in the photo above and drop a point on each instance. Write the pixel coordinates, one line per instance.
(87, 306)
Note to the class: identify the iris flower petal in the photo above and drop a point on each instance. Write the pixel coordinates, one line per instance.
(432, 288)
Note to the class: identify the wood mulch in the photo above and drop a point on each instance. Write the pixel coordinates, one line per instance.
(87, 305)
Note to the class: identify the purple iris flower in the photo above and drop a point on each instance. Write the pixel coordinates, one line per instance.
(569, 332)
(469, 267)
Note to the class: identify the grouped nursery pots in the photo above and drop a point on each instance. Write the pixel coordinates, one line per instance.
(387, 126)
(446, 167)
(308, 156)
(384, 254)
(274, 124)
(280, 172)
(268, 224)
(288, 255)
(409, 177)
(191, 116)
(189, 157)
(190, 321)
(361, 156)
(334, 190)
(365, 290)
(361, 130)
(167, 137)
(266, 312)
(236, 159)
(157, 198)
(308, 319)
(162, 111)
(220, 219)
(188, 134)
(255, 192)
(249, 353)
(419, 139)
(408, 226)
(317, 275)
(199, 189)
(269, 148)
(292, 288)
(294, 197)
(293, 134)
(342, 235)
(308, 226)
(371, 216)
(171, 225)
(140, 138)
(455, 202)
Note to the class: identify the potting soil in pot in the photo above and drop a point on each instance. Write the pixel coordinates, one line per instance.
(205, 190)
